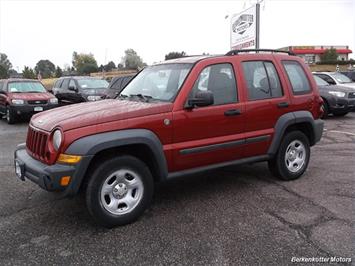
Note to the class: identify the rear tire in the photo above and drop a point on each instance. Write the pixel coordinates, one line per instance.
(325, 110)
(119, 190)
(292, 158)
(10, 116)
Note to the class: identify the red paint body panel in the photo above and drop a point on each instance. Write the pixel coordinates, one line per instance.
(190, 128)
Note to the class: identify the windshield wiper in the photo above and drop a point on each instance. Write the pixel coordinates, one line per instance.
(121, 96)
(34, 91)
(141, 96)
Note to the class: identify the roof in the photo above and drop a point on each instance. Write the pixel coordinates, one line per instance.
(186, 59)
(19, 79)
(80, 77)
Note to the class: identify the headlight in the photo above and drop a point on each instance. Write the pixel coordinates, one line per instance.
(53, 100)
(18, 101)
(337, 93)
(57, 139)
(94, 98)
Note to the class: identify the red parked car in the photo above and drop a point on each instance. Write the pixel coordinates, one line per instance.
(175, 118)
(24, 97)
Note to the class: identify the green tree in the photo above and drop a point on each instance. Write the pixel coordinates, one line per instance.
(173, 55)
(28, 73)
(58, 72)
(84, 63)
(3, 72)
(109, 66)
(5, 62)
(329, 55)
(46, 68)
(132, 60)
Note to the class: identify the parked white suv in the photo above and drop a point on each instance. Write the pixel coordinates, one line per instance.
(336, 78)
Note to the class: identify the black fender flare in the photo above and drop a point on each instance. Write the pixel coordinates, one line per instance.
(293, 118)
(90, 145)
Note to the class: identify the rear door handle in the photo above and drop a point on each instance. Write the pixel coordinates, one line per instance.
(283, 105)
(232, 112)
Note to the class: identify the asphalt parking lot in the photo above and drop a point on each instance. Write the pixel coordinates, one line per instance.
(233, 216)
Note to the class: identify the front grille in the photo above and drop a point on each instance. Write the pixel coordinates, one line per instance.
(351, 95)
(37, 102)
(36, 143)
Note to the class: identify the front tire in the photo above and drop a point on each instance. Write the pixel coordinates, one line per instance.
(119, 191)
(292, 158)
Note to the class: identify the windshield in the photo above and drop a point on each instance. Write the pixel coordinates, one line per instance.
(26, 87)
(93, 83)
(341, 78)
(161, 82)
(320, 82)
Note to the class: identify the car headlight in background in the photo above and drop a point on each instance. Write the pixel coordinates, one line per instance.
(94, 98)
(57, 139)
(16, 101)
(53, 100)
(337, 93)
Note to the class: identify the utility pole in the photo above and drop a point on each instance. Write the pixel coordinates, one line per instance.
(257, 26)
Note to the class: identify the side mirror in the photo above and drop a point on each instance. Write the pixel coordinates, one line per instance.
(2, 92)
(72, 88)
(202, 98)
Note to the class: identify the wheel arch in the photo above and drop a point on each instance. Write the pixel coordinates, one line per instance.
(141, 143)
(299, 120)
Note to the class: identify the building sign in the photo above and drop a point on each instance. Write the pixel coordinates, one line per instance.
(243, 29)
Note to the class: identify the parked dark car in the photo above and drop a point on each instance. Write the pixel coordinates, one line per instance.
(117, 84)
(21, 98)
(80, 89)
(349, 74)
(337, 100)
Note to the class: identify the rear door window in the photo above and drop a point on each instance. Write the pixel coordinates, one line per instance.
(262, 80)
(297, 77)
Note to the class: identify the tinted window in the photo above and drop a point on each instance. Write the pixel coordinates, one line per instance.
(262, 80)
(72, 83)
(65, 84)
(220, 80)
(297, 77)
(326, 78)
(58, 83)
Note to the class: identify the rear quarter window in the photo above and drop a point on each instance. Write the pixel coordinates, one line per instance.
(297, 77)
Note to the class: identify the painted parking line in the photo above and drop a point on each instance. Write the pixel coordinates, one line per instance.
(342, 132)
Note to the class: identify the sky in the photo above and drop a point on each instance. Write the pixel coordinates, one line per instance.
(46, 29)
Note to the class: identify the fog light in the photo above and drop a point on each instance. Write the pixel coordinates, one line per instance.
(66, 158)
(64, 181)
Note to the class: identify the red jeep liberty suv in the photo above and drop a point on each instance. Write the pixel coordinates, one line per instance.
(175, 118)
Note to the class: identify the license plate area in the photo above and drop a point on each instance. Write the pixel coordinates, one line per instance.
(38, 109)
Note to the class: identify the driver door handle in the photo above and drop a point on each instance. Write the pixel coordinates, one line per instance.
(232, 112)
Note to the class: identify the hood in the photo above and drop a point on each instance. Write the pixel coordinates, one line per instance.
(348, 85)
(92, 113)
(99, 91)
(31, 96)
(337, 88)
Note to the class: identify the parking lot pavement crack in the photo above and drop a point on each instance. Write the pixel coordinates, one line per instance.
(305, 231)
(326, 212)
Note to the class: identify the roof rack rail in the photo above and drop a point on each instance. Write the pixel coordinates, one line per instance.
(235, 52)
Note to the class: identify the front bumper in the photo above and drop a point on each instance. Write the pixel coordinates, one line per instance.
(337, 104)
(48, 176)
(27, 109)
